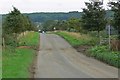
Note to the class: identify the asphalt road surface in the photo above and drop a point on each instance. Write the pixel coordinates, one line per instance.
(57, 59)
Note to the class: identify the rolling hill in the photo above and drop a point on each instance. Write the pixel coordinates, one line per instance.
(44, 16)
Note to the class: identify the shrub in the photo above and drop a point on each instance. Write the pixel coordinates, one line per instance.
(102, 53)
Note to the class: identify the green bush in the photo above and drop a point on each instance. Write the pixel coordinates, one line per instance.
(104, 54)
(95, 34)
(10, 40)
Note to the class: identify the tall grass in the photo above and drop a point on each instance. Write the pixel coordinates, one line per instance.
(30, 39)
(101, 53)
(76, 39)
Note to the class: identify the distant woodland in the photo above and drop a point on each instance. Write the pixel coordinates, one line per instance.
(44, 16)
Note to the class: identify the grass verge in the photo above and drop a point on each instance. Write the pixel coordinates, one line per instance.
(31, 40)
(101, 53)
(17, 61)
(76, 39)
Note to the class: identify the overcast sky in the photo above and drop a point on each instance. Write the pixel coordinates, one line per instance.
(29, 6)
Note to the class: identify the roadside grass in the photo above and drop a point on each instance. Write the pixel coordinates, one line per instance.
(101, 53)
(17, 61)
(76, 39)
(16, 65)
(31, 39)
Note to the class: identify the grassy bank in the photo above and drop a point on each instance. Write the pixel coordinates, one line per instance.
(101, 53)
(30, 39)
(76, 39)
(17, 61)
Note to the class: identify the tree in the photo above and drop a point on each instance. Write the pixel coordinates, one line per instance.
(115, 7)
(49, 25)
(62, 25)
(74, 23)
(93, 18)
(13, 24)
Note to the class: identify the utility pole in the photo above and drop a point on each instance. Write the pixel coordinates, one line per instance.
(109, 32)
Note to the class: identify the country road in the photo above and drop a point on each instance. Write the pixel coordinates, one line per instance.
(58, 59)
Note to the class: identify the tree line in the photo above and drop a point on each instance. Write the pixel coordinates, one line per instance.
(45, 16)
(72, 24)
(93, 19)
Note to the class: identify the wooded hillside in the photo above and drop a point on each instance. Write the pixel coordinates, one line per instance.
(43, 17)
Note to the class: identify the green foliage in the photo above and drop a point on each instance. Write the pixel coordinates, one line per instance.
(43, 17)
(62, 25)
(49, 25)
(116, 20)
(93, 18)
(99, 52)
(102, 34)
(13, 24)
(104, 54)
(11, 40)
(74, 23)
(76, 41)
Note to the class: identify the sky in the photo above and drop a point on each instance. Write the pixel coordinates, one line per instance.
(30, 6)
